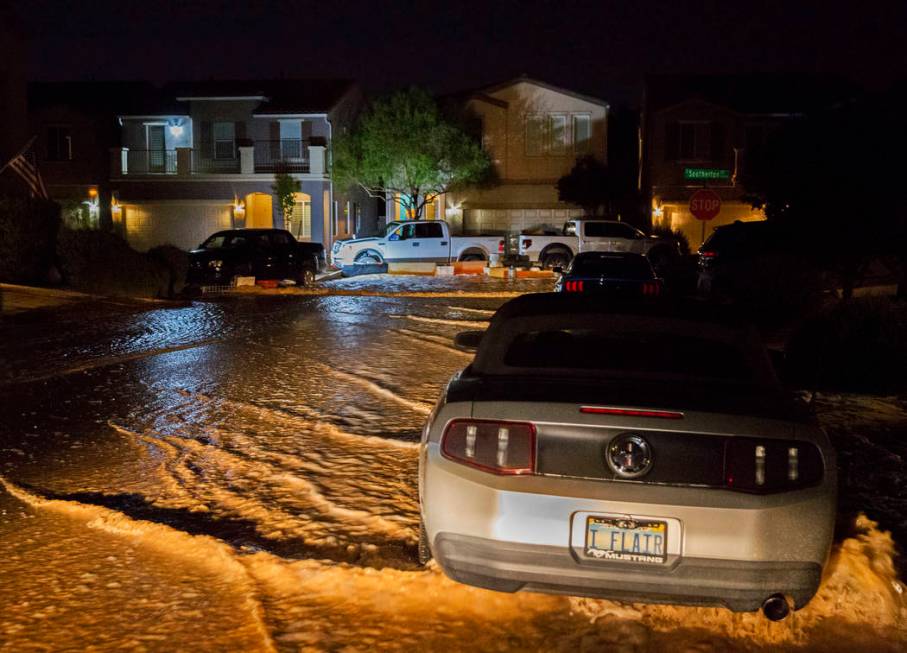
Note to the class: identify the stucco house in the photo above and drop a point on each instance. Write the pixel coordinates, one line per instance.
(174, 164)
(533, 132)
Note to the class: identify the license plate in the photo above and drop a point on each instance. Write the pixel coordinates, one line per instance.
(627, 540)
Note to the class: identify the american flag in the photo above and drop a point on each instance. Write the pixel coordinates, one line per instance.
(25, 165)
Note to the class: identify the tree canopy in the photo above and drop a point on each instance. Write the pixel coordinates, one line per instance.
(405, 148)
(588, 185)
(829, 177)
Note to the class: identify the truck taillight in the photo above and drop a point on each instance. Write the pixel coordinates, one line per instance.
(500, 247)
(492, 446)
(765, 466)
(573, 286)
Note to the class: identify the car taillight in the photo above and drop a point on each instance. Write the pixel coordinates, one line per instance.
(492, 446)
(651, 288)
(708, 254)
(764, 466)
(500, 247)
(527, 243)
(573, 286)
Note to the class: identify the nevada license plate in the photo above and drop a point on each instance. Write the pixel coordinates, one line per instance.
(626, 539)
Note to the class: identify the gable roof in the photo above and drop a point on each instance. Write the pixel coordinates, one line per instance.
(525, 79)
(758, 93)
(282, 95)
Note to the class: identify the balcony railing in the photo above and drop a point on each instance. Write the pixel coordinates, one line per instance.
(292, 155)
(208, 165)
(149, 162)
(287, 155)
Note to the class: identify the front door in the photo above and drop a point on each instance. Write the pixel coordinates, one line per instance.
(156, 151)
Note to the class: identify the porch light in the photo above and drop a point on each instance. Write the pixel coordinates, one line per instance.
(176, 130)
(239, 210)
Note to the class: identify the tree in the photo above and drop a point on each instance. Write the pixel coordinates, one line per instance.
(286, 187)
(588, 184)
(828, 178)
(405, 148)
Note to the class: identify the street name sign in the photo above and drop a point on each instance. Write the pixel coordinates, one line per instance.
(705, 174)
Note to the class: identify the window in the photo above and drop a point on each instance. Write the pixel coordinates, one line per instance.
(696, 141)
(224, 140)
(609, 230)
(280, 239)
(582, 134)
(557, 134)
(429, 230)
(623, 354)
(535, 134)
(301, 219)
(59, 144)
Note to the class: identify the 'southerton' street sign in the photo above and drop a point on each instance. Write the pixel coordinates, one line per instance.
(704, 174)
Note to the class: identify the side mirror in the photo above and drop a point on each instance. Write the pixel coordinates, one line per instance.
(468, 341)
(557, 269)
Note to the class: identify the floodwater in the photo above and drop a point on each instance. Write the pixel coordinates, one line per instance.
(240, 475)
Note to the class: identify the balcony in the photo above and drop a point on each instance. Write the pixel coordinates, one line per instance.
(285, 155)
(294, 156)
(149, 162)
(207, 165)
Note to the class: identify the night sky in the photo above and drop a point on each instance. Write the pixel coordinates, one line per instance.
(602, 48)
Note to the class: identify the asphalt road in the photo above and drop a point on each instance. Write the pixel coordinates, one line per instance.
(240, 475)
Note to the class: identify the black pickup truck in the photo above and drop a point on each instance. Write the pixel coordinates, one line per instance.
(259, 253)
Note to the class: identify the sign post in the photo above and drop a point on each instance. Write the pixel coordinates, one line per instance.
(705, 205)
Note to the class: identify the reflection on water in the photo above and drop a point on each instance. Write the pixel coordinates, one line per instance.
(258, 492)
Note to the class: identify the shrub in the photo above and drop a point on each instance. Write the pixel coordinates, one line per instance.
(859, 345)
(28, 229)
(176, 264)
(102, 262)
(673, 234)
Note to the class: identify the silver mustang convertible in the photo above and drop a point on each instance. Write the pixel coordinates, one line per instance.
(635, 452)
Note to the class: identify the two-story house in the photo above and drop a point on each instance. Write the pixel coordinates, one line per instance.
(14, 133)
(173, 164)
(696, 132)
(533, 133)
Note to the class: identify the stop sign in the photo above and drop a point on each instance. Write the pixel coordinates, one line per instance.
(705, 204)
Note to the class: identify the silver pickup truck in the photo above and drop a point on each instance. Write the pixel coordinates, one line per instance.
(416, 241)
(590, 235)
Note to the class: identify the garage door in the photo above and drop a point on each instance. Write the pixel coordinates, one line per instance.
(514, 220)
(183, 225)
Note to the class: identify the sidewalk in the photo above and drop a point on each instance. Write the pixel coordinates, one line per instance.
(16, 299)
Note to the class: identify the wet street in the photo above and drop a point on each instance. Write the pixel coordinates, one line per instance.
(240, 475)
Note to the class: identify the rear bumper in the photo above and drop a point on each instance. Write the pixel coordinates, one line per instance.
(510, 567)
(528, 532)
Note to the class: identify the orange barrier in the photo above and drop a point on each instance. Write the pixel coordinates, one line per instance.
(469, 267)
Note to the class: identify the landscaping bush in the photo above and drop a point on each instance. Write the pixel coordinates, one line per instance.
(28, 229)
(176, 263)
(673, 234)
(858, 346)
(103, 263)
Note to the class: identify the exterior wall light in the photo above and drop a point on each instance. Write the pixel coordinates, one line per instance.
(176, 130)
(239, 210)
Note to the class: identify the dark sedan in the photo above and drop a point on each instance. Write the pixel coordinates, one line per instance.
(619, 274)
(259, 253)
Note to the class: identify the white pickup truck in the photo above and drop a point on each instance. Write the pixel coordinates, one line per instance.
(419, 240)
(582, 235)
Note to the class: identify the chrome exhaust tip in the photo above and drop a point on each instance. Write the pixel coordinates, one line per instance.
(775, 607)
